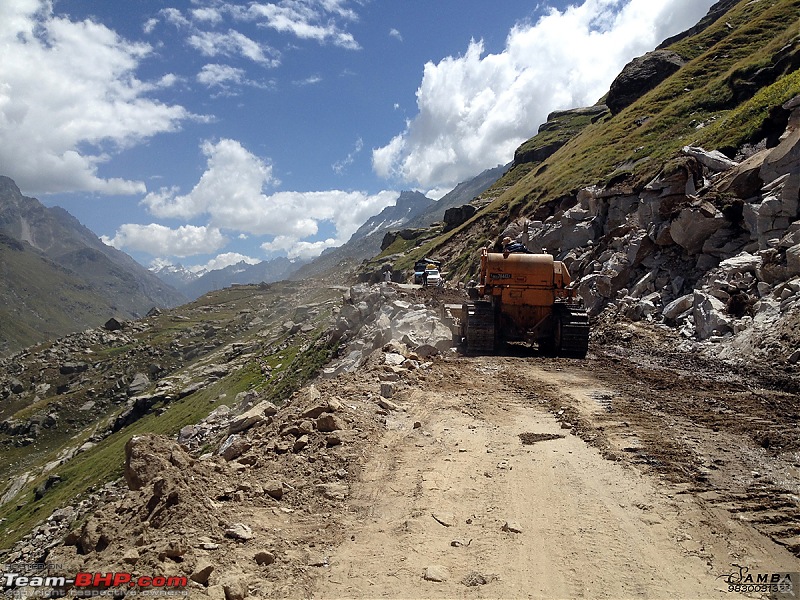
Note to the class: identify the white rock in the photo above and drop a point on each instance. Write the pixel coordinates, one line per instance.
(714, 160)
(741, 263)
(678, 306)
(709, 316)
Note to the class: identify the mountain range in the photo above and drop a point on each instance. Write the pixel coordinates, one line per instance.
(59, 277)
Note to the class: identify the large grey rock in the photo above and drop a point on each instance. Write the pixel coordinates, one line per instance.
(741, 263)
(714, 160)
(640, 76)
(793, 261)
(255, 416)
(693, 226)
(677, 307)
(709, 316)
(744, 180)
(784, 158)
(139, 384)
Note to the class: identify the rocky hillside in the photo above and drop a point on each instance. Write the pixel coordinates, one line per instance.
(68, 406)
(675, 201)
(59, 277)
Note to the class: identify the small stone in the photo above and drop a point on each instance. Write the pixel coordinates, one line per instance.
(235, 588)
(387, 390)
(317, 560)
(473, 578)
(327, 423)
(446, 519)
(274, 489)
(334, 491)
(239, 531)
(512, 527)
(202, 571)
(388, 405)
(436, 573)
(264, 558)
(300, 443)
(131, 556)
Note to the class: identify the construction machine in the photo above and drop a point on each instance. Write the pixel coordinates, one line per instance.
(524, 297)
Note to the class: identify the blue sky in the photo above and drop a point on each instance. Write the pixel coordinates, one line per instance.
(209, 131)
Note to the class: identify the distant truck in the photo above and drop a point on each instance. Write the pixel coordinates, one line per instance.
(420, 267)
(431, 277)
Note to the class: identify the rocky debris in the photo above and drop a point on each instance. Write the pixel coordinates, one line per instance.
(473, 578)
(512, 527)
(239, 532)
(373, 317)
(682, 252)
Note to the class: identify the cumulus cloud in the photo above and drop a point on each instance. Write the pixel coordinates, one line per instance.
(474, 110)
(395, 34)
(227, 259)
(296, 249)
(187, 240)
(230, 194)
(70, 100)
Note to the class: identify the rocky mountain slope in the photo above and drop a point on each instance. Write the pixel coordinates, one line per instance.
(59, 277)
(675, 201)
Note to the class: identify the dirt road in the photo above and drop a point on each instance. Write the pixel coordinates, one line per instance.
(513, 478)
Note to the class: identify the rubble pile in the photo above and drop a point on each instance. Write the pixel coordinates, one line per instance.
(710, 247)
(373, 316)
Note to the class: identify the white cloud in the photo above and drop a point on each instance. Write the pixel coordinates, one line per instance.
(475, 109)
(149, 25)
(233, 43)
(294, 248)
(69, 100)
(208, 14)
(227, 259)
(158, 240)
(395, 34)
(231, 195)
(306, 19)
(220, 75)
(339, 167)
(312, 80)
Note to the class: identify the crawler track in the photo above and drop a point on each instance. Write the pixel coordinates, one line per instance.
(480, 328)
(573, 331)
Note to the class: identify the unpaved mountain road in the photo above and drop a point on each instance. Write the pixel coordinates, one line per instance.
(616, 480)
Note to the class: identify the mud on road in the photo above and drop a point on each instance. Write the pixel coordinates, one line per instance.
(527, 476)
